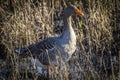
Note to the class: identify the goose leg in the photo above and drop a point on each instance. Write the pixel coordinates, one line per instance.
(66, 73)
(48, 70)
(55, 69)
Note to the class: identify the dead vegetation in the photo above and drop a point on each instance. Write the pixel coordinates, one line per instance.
(23, 22)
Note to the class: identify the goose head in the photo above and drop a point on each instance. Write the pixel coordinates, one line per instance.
(72, 10)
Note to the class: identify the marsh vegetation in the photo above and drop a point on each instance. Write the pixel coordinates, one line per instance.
(23, 22)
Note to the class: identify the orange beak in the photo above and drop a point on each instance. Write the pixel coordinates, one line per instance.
(79, 12)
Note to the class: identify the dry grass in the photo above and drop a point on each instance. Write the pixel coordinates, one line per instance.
(24, 22)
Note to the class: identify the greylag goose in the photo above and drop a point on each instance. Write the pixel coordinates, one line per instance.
(52, 50)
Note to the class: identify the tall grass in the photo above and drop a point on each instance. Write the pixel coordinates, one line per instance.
(24, 22)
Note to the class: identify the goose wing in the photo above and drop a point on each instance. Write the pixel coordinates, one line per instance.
(44, 50)
(42, 46)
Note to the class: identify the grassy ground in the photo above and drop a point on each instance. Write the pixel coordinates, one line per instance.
(23, 22)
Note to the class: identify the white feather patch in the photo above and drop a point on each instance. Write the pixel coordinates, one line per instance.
(17, 51)
(39, 69)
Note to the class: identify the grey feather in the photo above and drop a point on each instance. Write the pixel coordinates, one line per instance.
(54, 50)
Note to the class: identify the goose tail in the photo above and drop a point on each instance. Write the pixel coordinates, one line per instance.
(19, 51)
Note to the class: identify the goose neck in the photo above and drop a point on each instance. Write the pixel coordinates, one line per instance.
(67, 21)
(68, 33)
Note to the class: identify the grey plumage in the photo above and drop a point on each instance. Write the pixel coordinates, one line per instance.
(54, 49)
